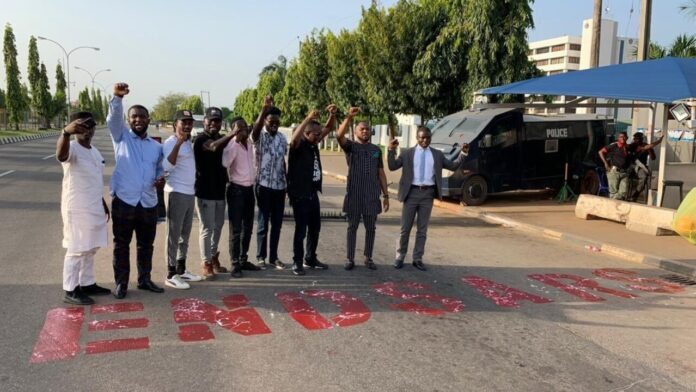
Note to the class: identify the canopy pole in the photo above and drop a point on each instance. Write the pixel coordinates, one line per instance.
(651, 136)
(663, 155)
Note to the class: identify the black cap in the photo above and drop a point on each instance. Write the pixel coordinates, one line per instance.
(183, 115)
(213, 113)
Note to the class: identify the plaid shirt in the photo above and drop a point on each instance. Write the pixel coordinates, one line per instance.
(270, 160)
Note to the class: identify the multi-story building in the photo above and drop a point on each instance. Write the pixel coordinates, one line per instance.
(571, 53)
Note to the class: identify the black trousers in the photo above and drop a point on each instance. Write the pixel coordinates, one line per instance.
(271, 204)
(307, 224)
(127, 219)
(240, 210)
(369, 221)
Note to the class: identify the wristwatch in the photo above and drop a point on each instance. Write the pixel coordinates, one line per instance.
(65, 134)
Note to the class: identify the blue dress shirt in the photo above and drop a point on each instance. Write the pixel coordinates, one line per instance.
(138, 161)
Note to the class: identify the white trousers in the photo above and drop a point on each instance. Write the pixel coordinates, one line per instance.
(78, 269)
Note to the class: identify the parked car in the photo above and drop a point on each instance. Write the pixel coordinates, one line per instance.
(197, 125)
(513, 151)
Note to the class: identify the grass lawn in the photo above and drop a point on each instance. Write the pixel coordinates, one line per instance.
(12, 133)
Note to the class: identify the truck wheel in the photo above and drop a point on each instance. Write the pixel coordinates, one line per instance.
(590, 183)
(474, 191)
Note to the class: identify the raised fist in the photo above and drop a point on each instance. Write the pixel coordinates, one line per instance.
(393, 144)
(313, 115)
(354, 111)
(268, 101)
(121, 89)
(331, 109)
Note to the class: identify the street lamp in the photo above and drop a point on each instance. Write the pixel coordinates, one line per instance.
(67, 61)
(95, 75)
(205, 92)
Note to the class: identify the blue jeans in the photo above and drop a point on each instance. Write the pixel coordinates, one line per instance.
(271, 204)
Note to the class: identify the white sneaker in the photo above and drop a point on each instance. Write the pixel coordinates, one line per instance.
(177, 283)
(188, 276)
(261, 263)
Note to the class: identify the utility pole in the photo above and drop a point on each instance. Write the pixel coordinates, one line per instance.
(596, 35)
(644, 54)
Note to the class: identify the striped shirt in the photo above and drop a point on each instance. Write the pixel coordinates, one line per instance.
(363, 187)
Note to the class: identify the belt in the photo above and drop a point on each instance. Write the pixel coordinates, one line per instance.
(423, 187)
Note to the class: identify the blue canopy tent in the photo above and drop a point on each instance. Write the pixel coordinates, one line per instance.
(664, 81)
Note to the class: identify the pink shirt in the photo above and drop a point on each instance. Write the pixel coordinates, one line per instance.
(239, 162)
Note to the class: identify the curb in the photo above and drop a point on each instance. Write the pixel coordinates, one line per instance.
(576, 240)
(17, 139)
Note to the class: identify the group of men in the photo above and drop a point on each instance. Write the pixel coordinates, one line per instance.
(625, 163)
(237, 172)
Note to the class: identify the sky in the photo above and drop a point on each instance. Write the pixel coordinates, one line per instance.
(220, 46)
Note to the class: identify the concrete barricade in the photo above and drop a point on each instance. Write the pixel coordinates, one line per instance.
(637, 217)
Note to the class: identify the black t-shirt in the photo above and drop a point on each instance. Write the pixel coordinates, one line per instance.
(641, 156)
(304, 170)
(211, 176)
(618, 156)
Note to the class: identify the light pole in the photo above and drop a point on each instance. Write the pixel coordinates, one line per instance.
(205, 92)
(67, 61)
(95, 75)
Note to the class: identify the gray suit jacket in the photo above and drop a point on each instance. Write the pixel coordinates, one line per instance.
(405, 161)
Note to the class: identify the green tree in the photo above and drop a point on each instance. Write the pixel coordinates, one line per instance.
(84, 101)
(192, 103)
(33, 73)
(689, 8)
(2, 99)
(683, 46)
(289, 100)
(343, 84)
(166, 106)
(41, 98)
(271, 79)
(97, 107)
(245, 105)
(16, 102)
(496, 55)
(226, 113)
(59, 98)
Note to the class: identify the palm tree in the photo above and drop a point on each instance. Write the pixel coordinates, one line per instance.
(278, 65)
(683, 46)
(689, 8)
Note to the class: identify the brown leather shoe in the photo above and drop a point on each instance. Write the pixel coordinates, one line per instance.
(207, 269)
(216, 264)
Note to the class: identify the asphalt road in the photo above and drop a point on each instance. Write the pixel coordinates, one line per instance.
(541, 338)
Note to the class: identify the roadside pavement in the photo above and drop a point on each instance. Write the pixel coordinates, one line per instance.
(537, 214)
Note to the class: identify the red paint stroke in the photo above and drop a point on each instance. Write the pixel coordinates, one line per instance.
(195, 333)
(118, 308)
(391, 289)
(502, 295)
(353, 310)
(107, 325)
(579, 286)
(302, 312)
(109, 346)
(649, 285)
(245, 321)
(60, 336)
(235, 301)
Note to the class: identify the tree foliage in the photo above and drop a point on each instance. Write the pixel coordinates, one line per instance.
(192, 103)
(166, 106)
(15, 95)
(2, 99)
(41, 98)
(245, 105)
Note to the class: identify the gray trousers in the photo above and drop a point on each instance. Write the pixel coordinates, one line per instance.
(618, 184)
(179, 221)
(211, 214)
(418, 203)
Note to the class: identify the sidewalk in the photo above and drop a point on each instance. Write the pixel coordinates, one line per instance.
(535, 214)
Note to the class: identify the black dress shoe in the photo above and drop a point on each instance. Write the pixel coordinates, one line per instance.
(348, 265)
(149, 286)
(419, 265)
(120, 292)
(95, 289)
(76, 297)
(398, 263)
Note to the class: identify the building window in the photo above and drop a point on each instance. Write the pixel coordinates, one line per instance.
(542, 63)
(542, 50)
(574, 46)
(558, 48)
(574, 60)
(557, 60)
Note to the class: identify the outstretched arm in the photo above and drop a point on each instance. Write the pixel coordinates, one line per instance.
(343, 128)
(393, 162)
(258, 125)
(114, 120)
(297, 133)
(454, 165)
(63, 143)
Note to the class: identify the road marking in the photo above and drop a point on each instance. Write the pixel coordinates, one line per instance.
(6, 173)
(48, 157)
